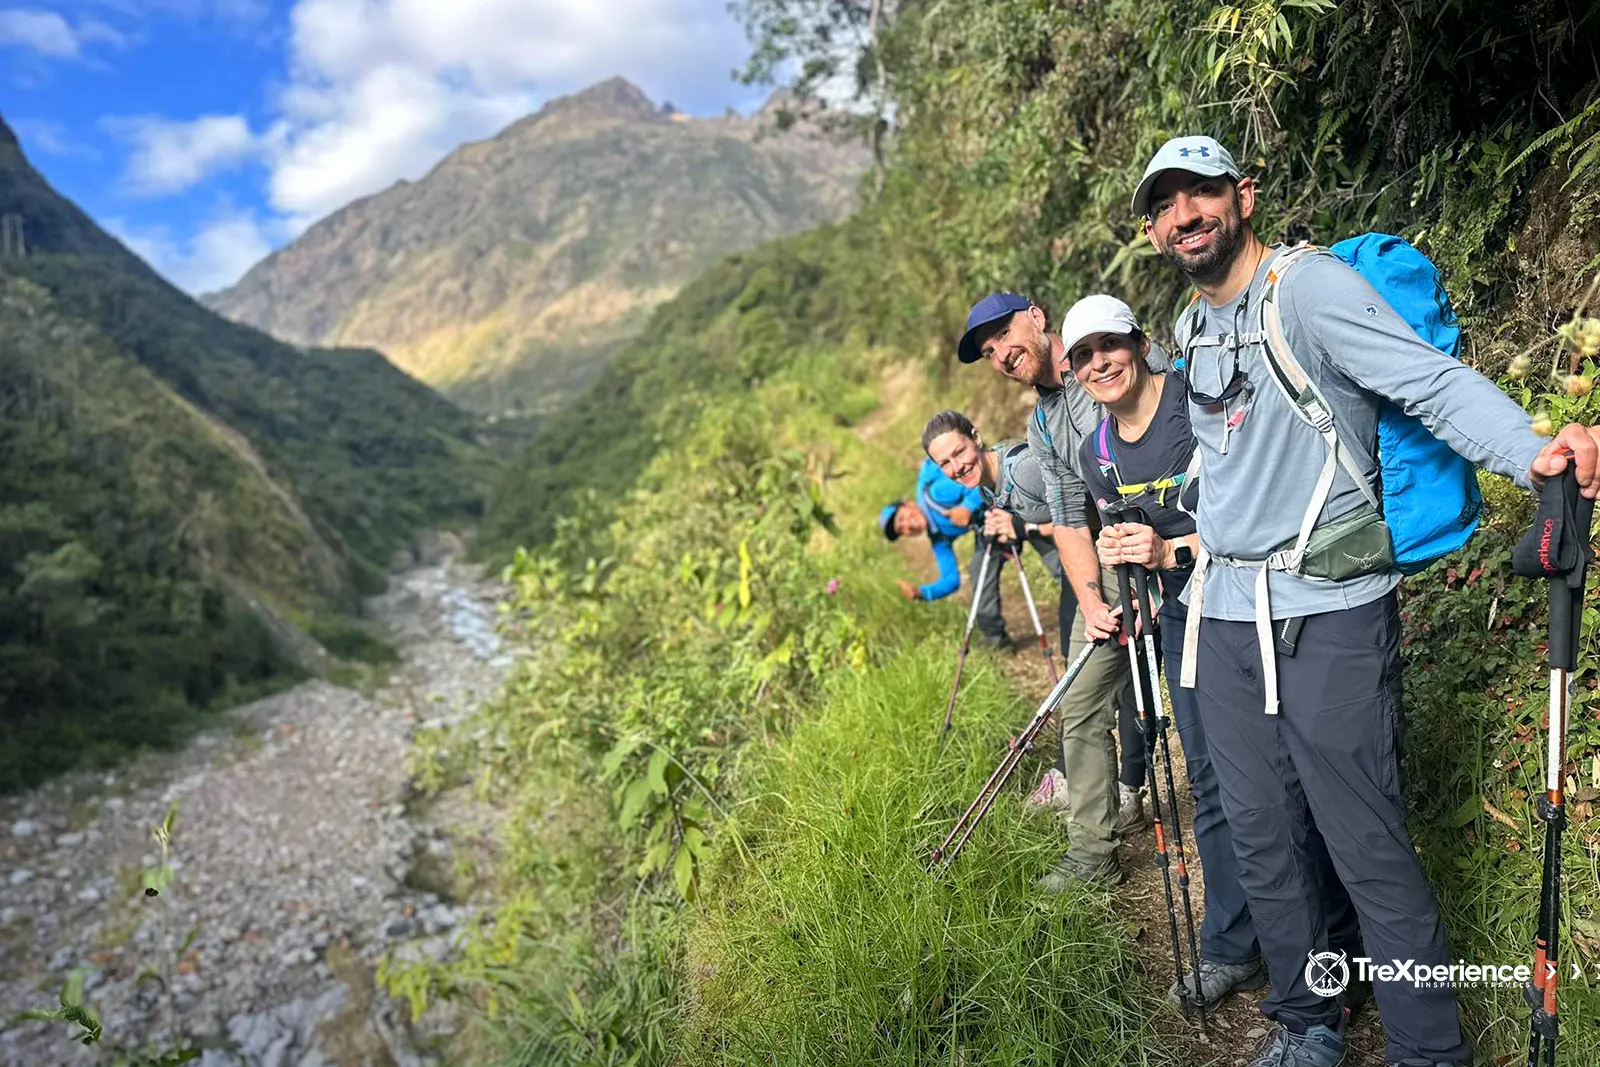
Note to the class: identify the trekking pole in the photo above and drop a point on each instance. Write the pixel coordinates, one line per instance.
(1033, 610)
(1556, 548)
(1146, 701)
(966, 639)
(1157, 727)
(1018, 747)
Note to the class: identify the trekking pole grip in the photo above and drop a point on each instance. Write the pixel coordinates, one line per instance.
(1566, 590)
(1141, 575)
(1125, 596)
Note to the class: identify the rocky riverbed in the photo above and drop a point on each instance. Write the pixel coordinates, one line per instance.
(298, 862)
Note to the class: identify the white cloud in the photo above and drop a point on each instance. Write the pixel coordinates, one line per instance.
(229, 243)
(50, 34)
(382, 89)
(241, 13)
(52, 139)
(170, 156)
(43, 31)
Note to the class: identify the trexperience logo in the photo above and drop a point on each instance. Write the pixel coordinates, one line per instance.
(1328, 973)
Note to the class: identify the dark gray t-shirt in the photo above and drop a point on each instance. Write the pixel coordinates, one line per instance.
(1161, 452)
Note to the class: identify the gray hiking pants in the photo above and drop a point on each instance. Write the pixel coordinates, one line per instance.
(1330, 760)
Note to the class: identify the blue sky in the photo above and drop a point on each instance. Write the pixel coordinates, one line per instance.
(205, 133)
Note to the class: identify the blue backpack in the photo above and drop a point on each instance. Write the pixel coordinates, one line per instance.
(1430, 497)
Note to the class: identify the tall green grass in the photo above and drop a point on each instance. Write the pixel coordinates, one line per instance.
(829, 938)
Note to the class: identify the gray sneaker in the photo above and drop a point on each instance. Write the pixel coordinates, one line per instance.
(1069, 871)
(1131, 816)
(1319, 1046)
(1219, 980)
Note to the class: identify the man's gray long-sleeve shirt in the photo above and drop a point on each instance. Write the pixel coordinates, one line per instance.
(1061, 419)
(1358, 351)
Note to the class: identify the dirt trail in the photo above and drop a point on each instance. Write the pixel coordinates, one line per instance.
(299, 862)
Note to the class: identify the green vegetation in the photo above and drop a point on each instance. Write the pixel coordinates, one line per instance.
(844, 948)
(750, 891)
(175, 489)
(104, 603)
(765, 748)
(743, 320)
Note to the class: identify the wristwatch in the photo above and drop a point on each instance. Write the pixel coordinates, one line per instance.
(1183, 556)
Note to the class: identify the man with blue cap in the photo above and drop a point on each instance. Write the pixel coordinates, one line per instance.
(1012, 335)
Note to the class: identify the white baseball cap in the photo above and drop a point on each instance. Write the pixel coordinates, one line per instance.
(1196, 154)
(1096, 314)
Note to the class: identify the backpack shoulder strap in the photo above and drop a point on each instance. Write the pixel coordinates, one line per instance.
(1044, 426)
(1010, 456)
(1290, 376)
(1287, 373)
(1187, 331)
(1102, 442)
(1102, 451)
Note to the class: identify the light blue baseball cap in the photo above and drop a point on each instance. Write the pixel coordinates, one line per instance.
(1196, 154)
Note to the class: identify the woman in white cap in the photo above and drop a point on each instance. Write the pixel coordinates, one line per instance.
(1139, 455)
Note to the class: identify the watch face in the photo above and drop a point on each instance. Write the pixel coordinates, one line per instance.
(1184, 555)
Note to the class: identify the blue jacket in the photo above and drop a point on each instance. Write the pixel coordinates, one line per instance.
(936, 495)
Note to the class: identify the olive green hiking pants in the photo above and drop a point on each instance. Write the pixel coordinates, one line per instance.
(1088, 720)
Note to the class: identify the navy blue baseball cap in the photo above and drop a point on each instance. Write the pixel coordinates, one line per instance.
(992, 307)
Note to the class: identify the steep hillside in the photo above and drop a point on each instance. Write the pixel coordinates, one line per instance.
(370, 452)
(177, 491)
(126, 510)
(519, 266)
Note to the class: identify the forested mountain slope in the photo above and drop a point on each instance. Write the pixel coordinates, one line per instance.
(169, 476)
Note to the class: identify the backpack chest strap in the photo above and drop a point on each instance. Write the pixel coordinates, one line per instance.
(1218, 340)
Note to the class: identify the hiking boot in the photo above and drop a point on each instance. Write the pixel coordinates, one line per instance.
(997, 643)
(1219, 980)
(1069, 871)
(1051, 792)
(1319, 1046)
(1131, 816)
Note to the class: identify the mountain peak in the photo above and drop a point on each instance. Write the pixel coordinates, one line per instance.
(612, 98)
(6, 136)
